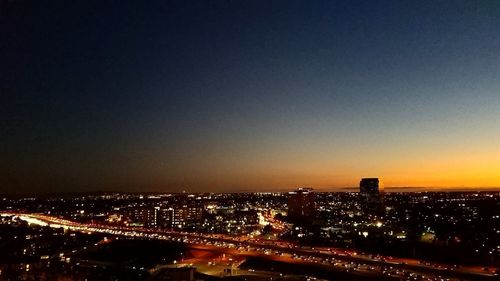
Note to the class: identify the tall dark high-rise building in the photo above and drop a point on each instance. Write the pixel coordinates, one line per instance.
(301, 204)
(371, 193)
(370, 187)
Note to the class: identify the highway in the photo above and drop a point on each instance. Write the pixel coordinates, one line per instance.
(342, 259)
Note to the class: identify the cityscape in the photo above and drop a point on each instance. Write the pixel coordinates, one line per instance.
(364, 235)
(250, 140)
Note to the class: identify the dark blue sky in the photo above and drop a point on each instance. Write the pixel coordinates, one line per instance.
(247, 95)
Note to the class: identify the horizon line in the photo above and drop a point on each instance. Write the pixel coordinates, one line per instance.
(390, 189)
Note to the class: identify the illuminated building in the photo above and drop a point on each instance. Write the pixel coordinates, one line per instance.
(145, 216)
(165, 217)
(187, 216)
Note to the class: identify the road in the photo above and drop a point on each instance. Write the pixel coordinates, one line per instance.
(346, 259)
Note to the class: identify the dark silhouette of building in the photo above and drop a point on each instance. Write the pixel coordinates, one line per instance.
(370, 187)
(175, 273)
(301, 204)
(371, 193)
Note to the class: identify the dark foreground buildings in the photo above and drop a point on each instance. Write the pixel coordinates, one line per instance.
(301, 204)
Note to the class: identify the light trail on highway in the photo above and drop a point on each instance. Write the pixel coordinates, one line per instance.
(277, 250)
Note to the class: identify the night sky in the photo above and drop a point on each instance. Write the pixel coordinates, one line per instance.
(248, 95)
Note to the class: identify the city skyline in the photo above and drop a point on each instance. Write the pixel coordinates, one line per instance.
(363, 235)
(260, 96)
